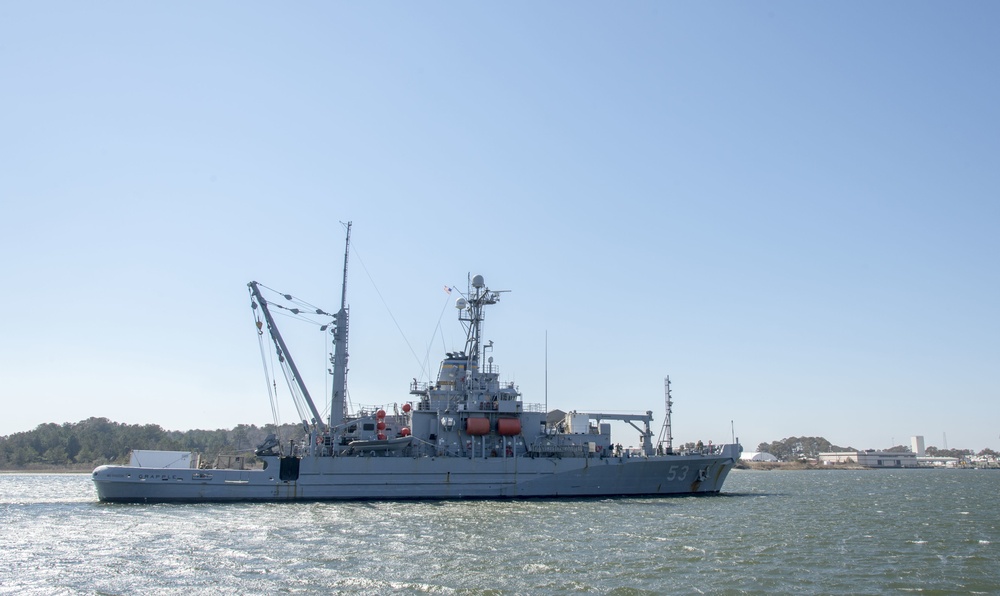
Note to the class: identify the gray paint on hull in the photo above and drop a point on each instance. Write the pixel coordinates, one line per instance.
(357, 478)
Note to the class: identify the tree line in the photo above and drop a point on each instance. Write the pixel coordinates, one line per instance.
(98, 441)
(796, 448)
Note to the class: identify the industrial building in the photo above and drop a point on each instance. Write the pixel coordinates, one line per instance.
(871, 458)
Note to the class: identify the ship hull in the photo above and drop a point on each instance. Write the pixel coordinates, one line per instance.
(397, 478)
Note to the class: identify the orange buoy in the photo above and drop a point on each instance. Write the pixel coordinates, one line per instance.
(405, 431)
(380, 414)
(380, 425)
(406, 408)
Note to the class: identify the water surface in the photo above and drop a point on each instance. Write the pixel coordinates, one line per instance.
(807, 532)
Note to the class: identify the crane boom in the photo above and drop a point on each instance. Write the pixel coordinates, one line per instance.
(283, 352)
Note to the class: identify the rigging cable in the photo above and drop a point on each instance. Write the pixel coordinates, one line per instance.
(289, 377)
(294, 300)
(306, 315)
(267, 375)
(426, 366)
(384, 303)
(293, 389)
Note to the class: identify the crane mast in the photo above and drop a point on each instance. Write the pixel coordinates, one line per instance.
(666, 440)
(338, 394)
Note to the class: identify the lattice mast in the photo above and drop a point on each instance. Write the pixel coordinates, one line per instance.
(471, 314)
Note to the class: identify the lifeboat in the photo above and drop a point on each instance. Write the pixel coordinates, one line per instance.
(381, 445)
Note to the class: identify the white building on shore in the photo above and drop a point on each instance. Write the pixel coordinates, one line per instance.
(758, 456)
(871, 458)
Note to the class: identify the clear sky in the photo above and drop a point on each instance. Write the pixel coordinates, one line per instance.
(791, 208)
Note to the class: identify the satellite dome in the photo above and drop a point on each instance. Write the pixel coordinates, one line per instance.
(461, 303)
(478, 282)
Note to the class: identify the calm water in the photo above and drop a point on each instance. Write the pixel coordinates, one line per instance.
(809, 532)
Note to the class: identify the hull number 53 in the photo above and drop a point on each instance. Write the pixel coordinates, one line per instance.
(677, 473)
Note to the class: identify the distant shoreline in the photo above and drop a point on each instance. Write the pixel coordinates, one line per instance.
(768, 466)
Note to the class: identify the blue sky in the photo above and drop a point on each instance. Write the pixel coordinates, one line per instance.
(790, 208)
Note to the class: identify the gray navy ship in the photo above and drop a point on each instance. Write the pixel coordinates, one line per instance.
(467, 434)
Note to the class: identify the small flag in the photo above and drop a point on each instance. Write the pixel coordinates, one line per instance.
(447, 290)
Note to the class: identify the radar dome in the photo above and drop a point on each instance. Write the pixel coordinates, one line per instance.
(478, 282)
(461, 303)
